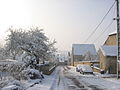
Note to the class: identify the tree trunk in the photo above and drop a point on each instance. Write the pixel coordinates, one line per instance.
(37, 59)
(14, 58)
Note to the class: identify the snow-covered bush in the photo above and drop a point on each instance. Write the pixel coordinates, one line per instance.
(15, 82)
(13, 67)
(30, 74)
(4, 83)
(14, 85)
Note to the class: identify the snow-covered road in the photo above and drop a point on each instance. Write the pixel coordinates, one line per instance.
(66, 78)
(67, 81)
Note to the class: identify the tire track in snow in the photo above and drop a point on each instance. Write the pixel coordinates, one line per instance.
(54, 84)
(75, 84)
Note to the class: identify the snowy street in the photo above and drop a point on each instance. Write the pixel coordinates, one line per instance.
(66, 78)
(60, 45)
(70, 80)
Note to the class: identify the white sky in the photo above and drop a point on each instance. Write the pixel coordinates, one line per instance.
(68, 21)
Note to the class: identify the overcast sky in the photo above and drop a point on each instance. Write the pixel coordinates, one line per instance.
(68, 21)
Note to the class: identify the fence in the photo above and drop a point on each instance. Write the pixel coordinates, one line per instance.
(46, 69)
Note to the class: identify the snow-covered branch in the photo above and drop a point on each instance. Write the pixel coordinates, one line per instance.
(31, 42)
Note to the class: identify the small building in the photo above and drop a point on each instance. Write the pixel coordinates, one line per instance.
(112, 39)
(108, 58)
(79, 52)
(62, 57)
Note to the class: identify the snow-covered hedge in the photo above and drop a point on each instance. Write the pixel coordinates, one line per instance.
(30, 74)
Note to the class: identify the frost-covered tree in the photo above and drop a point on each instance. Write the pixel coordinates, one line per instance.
(2, 54)
(32, 43)
(12, 46)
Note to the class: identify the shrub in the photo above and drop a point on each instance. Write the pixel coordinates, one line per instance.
(30, 74)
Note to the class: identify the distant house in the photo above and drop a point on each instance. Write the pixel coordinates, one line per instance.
(81, 51)
(108, 58)
(62, 57)
(112, 39)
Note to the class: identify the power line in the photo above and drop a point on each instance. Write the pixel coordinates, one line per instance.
(103, 31)
(100, 22)
(106, 29)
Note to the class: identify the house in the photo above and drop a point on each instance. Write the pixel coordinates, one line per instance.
(112, 39)
(108, 54)
(108, 58)
(62, 57)
(82, 51)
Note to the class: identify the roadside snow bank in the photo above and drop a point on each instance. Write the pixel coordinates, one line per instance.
(48, 83)
(14, 85)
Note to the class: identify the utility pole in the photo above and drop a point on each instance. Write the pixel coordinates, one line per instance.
(73, 55)
(118, 38)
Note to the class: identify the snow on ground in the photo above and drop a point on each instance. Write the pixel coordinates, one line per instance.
(63, 78)
(48, 83)
(98, 80)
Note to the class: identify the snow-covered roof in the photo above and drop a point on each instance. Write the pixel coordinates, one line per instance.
(91, 61)
(81, 49)
(115, 32)
(109, 50)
